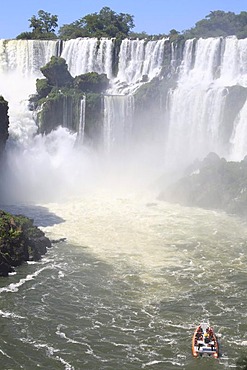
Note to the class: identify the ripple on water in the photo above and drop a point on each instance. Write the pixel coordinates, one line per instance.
(127, 288)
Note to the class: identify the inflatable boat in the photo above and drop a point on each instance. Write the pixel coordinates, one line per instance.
(204, 341)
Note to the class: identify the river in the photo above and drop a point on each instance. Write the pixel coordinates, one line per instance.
(127, 287)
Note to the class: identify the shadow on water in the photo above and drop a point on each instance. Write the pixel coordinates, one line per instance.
(41, 215)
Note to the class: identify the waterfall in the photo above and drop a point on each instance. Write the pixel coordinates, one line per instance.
(85, 55)
(26, 57)
(197, 106)
(118, 121)
(195, 111)
(139, 61)
(82, 119)
(20, 63)
(239, 136)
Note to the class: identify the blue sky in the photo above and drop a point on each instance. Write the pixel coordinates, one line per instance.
(152, 16)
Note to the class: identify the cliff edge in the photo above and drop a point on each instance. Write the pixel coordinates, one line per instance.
(4, 123)
(20, 241)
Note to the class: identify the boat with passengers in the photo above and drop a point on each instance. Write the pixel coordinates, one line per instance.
(204, 341)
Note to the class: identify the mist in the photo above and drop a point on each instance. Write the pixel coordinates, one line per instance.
(198, 107)
(55, 166)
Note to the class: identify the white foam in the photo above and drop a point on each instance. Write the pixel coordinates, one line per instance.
(14, 287)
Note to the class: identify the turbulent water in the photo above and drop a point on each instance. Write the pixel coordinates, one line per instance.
(134, 275)
(126, 288)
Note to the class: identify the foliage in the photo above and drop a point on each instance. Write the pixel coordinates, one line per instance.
(55, 92)
(71, 31)
(20, 241)
(220, 23)
(43, 87)
(175, 36)
(106, 23)
(52, 99)
(56, 72)
(91, 82)
(44, 23)
(43, 27)
(110, 24)
(139, 35)
(25, 36)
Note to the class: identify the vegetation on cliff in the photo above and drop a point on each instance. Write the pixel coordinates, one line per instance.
(107, 23)
(43, 27)
(59, 96)
(20, 241)
(220, 23)
(56, 73)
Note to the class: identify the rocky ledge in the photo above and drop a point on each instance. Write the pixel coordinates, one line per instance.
(212, 183)
(20, 241)
(4, 123)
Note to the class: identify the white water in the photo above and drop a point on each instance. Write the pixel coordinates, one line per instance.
(196, 106)
(138, 58)
(20, 63)
(120, 109)
(82, 119)
(135, 274)
(193, 117)
(85, 55)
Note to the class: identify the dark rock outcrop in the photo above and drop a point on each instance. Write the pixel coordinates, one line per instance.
(20, 241)
(213, 184)
(59, 97)
(4, 123)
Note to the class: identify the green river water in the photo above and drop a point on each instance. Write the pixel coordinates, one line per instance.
(126, 288)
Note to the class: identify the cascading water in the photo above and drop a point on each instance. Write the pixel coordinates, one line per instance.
(238, 139)
(26, 57)
(85, 55)
(82, 119)
(138, 60)
(197, 106)
(135, 275)
(20, 63)
(118, 121)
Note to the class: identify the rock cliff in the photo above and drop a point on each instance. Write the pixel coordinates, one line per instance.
(20, 241)
(212, 183)
(4, 123)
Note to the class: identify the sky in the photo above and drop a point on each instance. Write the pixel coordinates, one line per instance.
(151, 16)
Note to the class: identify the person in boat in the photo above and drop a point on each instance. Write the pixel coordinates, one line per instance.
(199, 337)
(199, 333)
(206, 338)
(211, 334)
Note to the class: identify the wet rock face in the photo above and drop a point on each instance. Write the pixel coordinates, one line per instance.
(20, 241)
(213, 184)
(4, 123)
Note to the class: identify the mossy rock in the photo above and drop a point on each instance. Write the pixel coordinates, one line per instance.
(20, 241)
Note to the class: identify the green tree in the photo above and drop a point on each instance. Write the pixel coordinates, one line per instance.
(220, 23)
(139, 35)
(44, 23)
(43, 26)
(106, 23)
